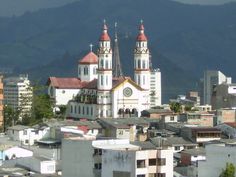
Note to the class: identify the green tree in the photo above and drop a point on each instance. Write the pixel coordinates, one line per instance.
(176, 107)
(11, 117)
(229, 171)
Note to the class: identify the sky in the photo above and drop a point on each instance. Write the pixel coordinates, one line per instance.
(205, 2)
(19, 7)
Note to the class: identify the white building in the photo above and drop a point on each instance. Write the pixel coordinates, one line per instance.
(113, 158)
(61, 90)
(155, 87)
(211, 78)
(25, 134)
(41, 165)
(18, 93)
(217, 155)
(115, 97)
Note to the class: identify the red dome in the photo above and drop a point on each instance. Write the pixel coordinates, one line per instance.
(104, 36)
(90, 58)
(141, 37)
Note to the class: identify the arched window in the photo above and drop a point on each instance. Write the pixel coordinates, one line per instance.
(101, 63)
(79, 71)
(134, 111)
(85, 70)
(106, 80)
(106, 67)
(144, 64)
(101, 79)
(139, 64)
(95, 70)
(121, 111)
(127, 111)
(71, 109)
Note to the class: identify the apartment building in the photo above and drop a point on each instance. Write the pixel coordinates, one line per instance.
(18, 93)
(1, 101)
(114, 158)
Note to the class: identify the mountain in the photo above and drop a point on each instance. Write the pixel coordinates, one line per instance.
(184, 39)
(19, 7)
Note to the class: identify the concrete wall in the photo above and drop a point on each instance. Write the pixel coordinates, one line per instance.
(77, 158)
(216, 158)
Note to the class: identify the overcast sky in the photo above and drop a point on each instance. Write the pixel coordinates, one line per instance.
(205, 2)
(18, 7)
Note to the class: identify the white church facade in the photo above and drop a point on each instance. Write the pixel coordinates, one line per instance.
(101, 95)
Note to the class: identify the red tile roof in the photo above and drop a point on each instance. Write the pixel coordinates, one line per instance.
(231, 124)
(90, 58)
(66, 83)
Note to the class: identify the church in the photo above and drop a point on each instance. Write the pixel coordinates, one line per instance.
(102, 91)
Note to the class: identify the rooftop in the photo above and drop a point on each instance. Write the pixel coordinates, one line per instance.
(195, 152)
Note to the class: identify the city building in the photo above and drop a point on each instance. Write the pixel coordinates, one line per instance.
(18, 94)
(61, 90)
(193, 156)
(194, 97)
(114, 158)
(1, 101)
(155, 87)
(211, 78)
(197, 118)
(226, 115)
(105, 96)
(217, 156)
(201, 135)
(224, 96)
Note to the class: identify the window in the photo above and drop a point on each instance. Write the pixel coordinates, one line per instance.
(87, 110)
(172, 118)
(71, 109)
(144, 64)
(25, 132)
(85, 70)
(79, 110)
(101, 63)
(101, 80)
(75, 109)
(98, 166)
(83, 110)
(177, 148)
(94, 70)
(106, 80)
(139, 64)
(144, 80)
(152, 162)
(141, 164)
(106, 64)
(79, 71)
(161, 162)
(161, 175)
(91, 111)
(140, 175)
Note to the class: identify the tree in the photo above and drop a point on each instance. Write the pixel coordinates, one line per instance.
(229, 171)
(11, 117)
(176, 107)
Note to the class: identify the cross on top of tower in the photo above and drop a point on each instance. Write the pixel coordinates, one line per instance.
(91, 47)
